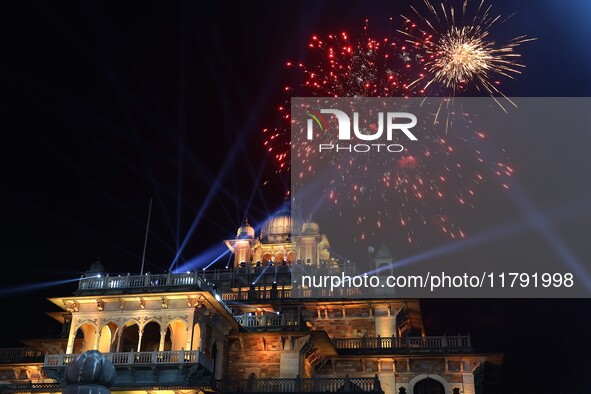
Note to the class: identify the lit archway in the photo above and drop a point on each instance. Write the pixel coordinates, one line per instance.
(291, 257)
(279, 257)
(107, 337)
(151, 337)
(196, 342)
(178, 334)
(428, 386)
(130, 337)
(89, 336)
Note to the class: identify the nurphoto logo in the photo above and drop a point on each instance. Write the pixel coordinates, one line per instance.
(396, 123)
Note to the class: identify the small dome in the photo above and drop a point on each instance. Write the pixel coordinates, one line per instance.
(310, 228)
(90, 372)
(96, 268)
(281, 226)
(245, 231)
(384, 253)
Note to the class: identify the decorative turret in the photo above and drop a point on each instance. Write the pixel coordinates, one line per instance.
(95, 269)
(245, 231)
(242, 245)
(383, 257)
(310, 228)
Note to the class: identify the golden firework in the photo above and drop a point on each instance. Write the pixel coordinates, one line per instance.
(459, 50)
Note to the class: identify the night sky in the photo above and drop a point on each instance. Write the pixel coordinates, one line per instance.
(109, 104)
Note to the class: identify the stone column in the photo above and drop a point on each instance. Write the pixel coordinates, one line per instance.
(71, 338)
(162, 338)
(119, 332)
(468, 383)
(139, 341)
(188, 336)
(97, 339)
(388, 382)
(190, 328)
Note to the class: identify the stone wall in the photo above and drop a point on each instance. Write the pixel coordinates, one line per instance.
(348, 327)
(259, 354)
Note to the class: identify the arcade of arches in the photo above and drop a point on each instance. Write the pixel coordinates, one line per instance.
(131, 336)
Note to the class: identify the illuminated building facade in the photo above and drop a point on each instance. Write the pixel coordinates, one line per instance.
(247, 329)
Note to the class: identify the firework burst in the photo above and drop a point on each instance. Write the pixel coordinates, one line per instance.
(459, 50)
(359, 67)
(345, 65)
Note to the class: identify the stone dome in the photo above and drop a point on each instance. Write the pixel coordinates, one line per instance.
(281, 226)
(310, 228)
(90, 372)
(245, 231)
(96, 268)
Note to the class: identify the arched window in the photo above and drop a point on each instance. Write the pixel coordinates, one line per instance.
(178, 334)
(88, 331)
(291, 257)
(151, 337)
(107, 338)
(279, 257)
(196, 343)
(130, 337)
(428, 386)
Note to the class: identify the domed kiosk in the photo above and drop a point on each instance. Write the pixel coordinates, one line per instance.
(96, 269)
(245, 231)
(310, 228)
(384, 258)
(284, 239)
